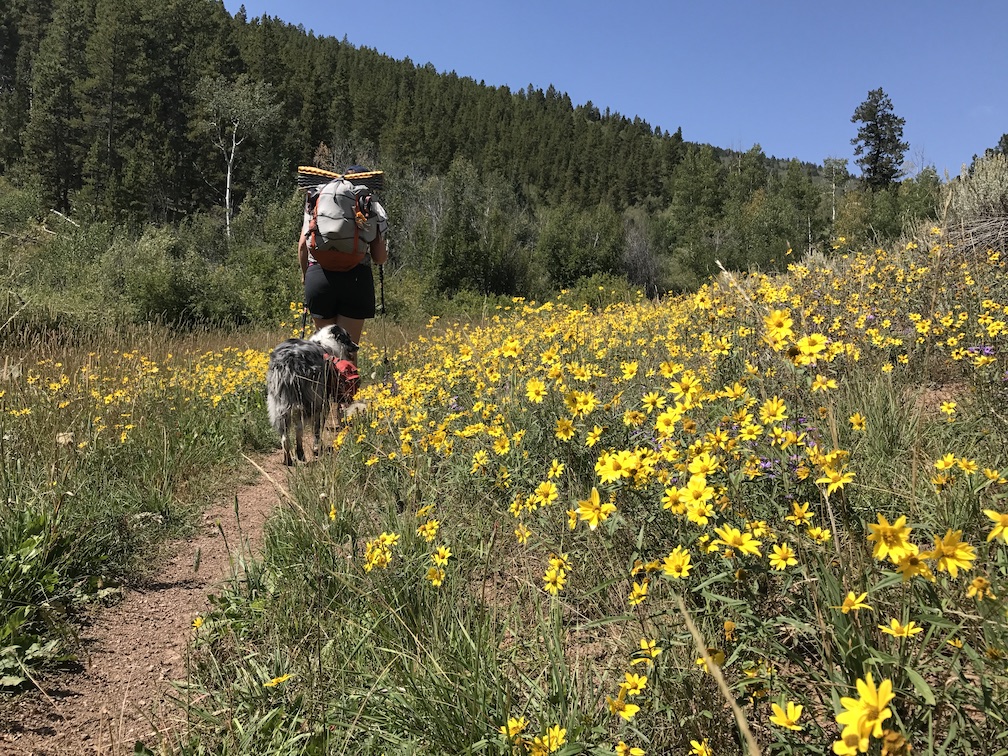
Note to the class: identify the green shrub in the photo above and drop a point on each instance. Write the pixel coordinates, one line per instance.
(980, 192)
(600, 290)
(18, 205)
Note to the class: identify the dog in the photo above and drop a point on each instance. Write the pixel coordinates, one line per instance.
(304, 378)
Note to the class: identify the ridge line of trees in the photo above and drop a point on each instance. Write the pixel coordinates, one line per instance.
(132, 114)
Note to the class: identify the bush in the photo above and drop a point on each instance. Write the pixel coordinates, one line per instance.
(982, 191)
(18, 205)
(408, 295)
(599, 291)
(574, 243)
(266, 281)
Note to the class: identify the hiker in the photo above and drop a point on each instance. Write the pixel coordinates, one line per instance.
(344, 298)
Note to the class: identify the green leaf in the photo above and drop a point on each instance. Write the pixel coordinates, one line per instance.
(893, 578)
(921, 686)
(718, 599)
(709, 581)
(937, 620)
(797, 624)
(881, 658)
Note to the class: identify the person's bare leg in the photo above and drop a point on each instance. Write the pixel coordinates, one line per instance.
(321, 323)
(353, 326)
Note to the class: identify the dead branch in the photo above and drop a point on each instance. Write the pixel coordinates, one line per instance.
(71, 221)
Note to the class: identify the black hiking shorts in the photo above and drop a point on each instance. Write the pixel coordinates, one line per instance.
(329, 293)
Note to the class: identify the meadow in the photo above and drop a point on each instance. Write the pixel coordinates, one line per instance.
(113, 441)
(765, 516)
(768, 516)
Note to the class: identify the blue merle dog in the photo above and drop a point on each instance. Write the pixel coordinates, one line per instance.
(301, 384)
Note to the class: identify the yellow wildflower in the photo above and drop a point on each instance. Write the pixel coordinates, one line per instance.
(890, 540)
(638, 593)
(898, 630)
(835, 479)
(677, 563)
(553, 580)
(622, 749)
(515, 726)
(593, 511)
(979, 587)
(1000, 520)
(783, 556)
(633, 684)
(648, 651)
(535, 390)
(735, 539)
(951, 554)
(854, 603)
(277, 680)
(864, 715)
(787, 718)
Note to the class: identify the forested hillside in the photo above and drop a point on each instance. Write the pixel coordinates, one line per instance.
(177, 126)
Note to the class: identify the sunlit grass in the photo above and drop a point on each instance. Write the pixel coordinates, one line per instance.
(813, 464)
(112, 442)
(505, 553)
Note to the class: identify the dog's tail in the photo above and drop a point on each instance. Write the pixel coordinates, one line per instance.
(282, 397)
(277, 407)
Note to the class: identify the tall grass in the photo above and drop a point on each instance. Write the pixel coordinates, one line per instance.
(112, 441)
(494, 559)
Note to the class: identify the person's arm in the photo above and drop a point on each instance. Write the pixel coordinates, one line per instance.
(379, 250)
(303, 255)
(303, 245)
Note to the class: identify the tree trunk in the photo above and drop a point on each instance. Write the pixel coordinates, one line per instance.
(227, 185)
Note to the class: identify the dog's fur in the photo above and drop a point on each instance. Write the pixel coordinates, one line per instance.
(301, 384)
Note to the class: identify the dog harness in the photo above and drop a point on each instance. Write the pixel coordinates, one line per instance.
(346, 379)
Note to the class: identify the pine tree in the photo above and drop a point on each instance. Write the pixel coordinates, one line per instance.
(803, 223)
(10, 114)
(698, 196)
(53, 134)
(879, 141)
(22, 26)
(186, 41)
(746, 174)
(113, 103)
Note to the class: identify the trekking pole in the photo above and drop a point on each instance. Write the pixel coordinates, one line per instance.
(381, 289)
(386, 362)
(304, 320)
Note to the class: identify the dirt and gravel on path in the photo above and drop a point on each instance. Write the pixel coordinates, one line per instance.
(131, 651)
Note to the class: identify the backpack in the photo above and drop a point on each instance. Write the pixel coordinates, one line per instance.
(341, 224)
(345, 380)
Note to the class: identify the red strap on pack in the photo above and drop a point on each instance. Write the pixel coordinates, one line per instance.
(347, 380)
(313, 226)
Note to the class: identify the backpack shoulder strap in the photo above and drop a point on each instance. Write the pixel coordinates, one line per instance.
(312, 203)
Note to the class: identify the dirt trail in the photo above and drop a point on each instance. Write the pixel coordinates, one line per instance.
(132, 650)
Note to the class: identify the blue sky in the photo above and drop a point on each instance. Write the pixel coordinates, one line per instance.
(785, 75)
